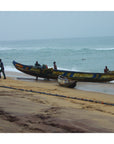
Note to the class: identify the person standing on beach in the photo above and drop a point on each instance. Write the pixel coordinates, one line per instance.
(2, 69)
(55, 66)
(37, 65)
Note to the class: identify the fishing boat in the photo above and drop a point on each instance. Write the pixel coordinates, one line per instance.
(65, 82)
(50, 73)
(111, 72)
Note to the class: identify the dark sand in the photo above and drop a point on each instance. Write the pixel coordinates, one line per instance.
(28, 112)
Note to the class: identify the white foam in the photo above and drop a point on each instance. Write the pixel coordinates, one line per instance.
(21, 48)
(72, 69)
(11, 69)
(6, 48)
(104, 49)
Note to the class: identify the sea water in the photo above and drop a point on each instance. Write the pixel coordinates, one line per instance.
(77, 54)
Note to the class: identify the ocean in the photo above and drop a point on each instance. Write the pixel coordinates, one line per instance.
(90, 54)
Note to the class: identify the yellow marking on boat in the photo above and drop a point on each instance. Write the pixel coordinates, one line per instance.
(83, 75)
(107, 76)
(97, 75)
(36, 70)
(68, 74)
(58, 73)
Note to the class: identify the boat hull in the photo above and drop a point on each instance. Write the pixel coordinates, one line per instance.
(53, 74)
(65, 82)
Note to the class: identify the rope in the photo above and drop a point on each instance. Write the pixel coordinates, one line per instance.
(82, 99)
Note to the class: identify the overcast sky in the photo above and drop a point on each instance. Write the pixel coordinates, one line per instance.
(49, 24)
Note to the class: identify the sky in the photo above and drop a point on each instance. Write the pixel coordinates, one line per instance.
(24, 25)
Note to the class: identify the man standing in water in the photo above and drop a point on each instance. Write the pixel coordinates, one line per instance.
(2, 69)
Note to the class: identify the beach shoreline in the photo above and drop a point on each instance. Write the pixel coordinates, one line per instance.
(23, 110)
(107, 88)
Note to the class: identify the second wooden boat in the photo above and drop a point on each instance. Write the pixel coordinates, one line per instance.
(65, 82)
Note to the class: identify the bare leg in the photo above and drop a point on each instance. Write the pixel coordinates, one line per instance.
(4, 74)
(36, 77)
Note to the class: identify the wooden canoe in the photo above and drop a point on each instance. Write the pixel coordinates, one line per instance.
(50, 73)
(65, 82)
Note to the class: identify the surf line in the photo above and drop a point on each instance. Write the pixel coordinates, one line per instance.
(82, 99)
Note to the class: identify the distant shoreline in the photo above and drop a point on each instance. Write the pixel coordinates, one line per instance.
(61, 38)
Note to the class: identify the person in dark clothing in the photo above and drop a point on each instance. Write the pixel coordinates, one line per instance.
(37, 65)
(2, 69)
(106, 69)
(55, 66)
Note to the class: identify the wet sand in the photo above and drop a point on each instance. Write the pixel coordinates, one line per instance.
(107, 88)
(28, 112)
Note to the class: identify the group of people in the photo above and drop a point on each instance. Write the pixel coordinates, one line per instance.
(37, 65)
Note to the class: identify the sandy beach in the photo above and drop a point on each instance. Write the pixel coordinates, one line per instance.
(29, 112)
